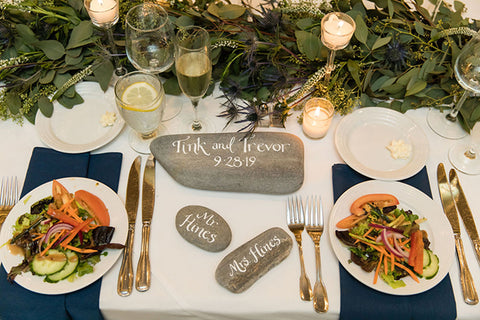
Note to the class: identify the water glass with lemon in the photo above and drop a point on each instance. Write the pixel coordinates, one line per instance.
(141, 101)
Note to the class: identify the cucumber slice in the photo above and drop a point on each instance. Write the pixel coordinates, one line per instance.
(432, 270)
(51, 262)
(70, 267)
(426, 258)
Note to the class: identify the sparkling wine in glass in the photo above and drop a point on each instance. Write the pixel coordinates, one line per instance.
(141, 101)
(194, 69)
(467, 73)
(149, 42)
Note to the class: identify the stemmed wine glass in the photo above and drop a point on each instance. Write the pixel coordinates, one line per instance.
(466, 156)
(467, 72)
(140, 100)
(194, 68)
(149, 42)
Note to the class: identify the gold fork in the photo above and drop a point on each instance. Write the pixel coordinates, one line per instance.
(296, 223)
(8, 196)
(314, 227)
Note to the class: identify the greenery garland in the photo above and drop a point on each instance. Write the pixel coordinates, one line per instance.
(268, 55)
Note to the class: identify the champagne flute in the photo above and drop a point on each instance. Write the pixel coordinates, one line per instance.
(466, 156)
(467, 73)
(194, 68)
(149, 37)
(141, 101)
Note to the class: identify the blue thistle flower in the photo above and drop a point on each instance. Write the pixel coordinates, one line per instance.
(396, 55)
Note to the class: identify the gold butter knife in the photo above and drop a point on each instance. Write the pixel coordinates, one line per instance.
(468, 287)
(464, 210)
(125, 277)
(142, 282)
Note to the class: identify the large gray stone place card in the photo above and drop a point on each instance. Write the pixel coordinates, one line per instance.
(203, 227)
(240, 269)
(265, 162)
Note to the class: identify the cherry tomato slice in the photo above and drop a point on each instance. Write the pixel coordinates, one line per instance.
(61, 195)
(381, 200)
(94, 206)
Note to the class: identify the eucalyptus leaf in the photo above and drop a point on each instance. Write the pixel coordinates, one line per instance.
(45, 106)
(377, 84)
(354, 69)
(380, 42)
(47, 77)
(81, 35)
(74, 52)
(72, 61)
(53, 49)
(304, 24)
(171, 87)
(419, 28)
(27, 35)
(231, 11)
(361, 30)
(417, 86)
(69, 103)
(184, 21)
(308, 44)
(59, 81)
(103, 73)
(391, 10)
(13, 101)
(31, 115)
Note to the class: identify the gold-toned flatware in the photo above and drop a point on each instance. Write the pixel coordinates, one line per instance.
(296, 224)
(464, 210)
(142, 282)
(9, 196)
(468, 287)
(314, 226)
(125, 277)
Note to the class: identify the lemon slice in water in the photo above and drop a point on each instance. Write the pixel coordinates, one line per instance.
(139, 96)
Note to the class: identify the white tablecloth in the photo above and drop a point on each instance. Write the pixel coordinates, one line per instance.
(183, 281)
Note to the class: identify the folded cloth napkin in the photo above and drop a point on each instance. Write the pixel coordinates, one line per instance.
(361, 302)
(46, 165)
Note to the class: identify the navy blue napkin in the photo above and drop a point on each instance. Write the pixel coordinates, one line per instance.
(46, 165)
(361, 302)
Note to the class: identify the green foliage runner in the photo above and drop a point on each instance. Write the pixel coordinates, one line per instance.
(267, 55)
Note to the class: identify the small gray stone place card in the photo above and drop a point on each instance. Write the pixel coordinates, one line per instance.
(203, 227)
(266, 162)
(240, 269)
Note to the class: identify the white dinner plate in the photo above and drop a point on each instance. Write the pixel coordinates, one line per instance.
(79, 129)
(437, 226)
(118, 219)
(362, 138)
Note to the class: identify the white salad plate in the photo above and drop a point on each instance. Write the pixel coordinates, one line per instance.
(118, 219)
(437, 226)
(79, 129)
(362, 137)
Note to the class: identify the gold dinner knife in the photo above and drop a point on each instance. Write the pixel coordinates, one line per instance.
(464, 210)
(125, 277)
(468, 287)
(142, 282)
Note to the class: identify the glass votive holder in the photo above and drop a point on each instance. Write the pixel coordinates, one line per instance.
(317, 116)
(337, 29)
(104, 13)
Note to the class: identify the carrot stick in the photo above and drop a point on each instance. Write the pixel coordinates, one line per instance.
(375, 278)
(392, 258)
(80, 249)
(52, 242)
(385, 264)
(408, 270)
(74, 232)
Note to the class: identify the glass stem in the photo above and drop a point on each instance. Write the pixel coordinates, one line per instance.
(196, 124)
(119, 69)
(329, 67)
(452, 115)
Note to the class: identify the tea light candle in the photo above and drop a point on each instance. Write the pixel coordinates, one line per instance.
(337, 30)
(317, 116)
(102, 12)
